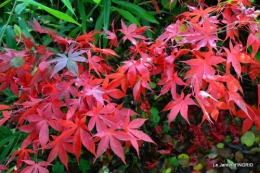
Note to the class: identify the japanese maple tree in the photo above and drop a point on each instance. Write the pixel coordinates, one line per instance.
(71, 98)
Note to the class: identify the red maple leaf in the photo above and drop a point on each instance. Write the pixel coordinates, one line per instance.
(103, 51)
(253, 41)
(130, 127)
(60, 146)
(41, 122)
(118, 78)
(4, 107)
(201, 35)
(67, 89)
(111, 35)
(5, 114)
(87, 37)
(235, 55)
(249, 119)
(230, 20)
(68, 59)
(172, 31)
(197, 14)
(201, 67)
(111, 90)
(169, 81)
(139, 88)
(34, 167)
(130, 33)
(135, 68)
(23, 154)
(180, 104)
(8, 80)
(81, 135)
(37, 27)
(94, 63)
(98, 116)
(111, 137)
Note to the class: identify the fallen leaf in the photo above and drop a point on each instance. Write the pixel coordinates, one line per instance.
(239, 157)
(183, 160)
(248, 138)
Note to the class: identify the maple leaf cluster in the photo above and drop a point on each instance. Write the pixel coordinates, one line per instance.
(72, 91)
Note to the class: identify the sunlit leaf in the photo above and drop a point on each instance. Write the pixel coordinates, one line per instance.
(20, 7)
(248, 138)
(68, 5)
(5, 3)
(55, 13)
(183, 159)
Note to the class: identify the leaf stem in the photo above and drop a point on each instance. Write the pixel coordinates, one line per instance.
(8, 20)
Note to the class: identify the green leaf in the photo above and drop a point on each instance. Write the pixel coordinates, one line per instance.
(127, 15)
(107, 5)
(84, 165)
(257, 56)
(97, 1)
(198, 167)
(220, 145)
(173, 161)
(83, 16)
(17, 62)
(6, 140)
(104, 169)
(228, 139)
(46, 40)
(68, 5)
(74, 32)
(169, 170)
(58, 168)
(5, 3)
(166, 128)
(8, 92)
(66, 28)
(17, 30)
(55, 13)
(7, 149)
(152, 84)
(155, 118)
(98, 25)
(154, 111)
(183, 159)
(10, 37)
(5, 131)
(248, 138)
(231, 164)
(20, 7)
(136, 10)
(22, 23)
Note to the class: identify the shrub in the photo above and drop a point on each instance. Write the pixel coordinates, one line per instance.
(73, 93)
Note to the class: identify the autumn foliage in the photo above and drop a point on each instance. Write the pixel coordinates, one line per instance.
(71, 98)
